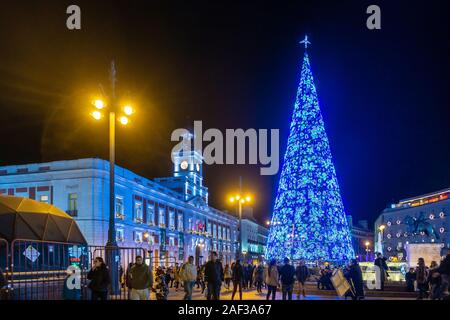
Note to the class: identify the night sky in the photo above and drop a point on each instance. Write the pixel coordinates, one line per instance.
(384, 94)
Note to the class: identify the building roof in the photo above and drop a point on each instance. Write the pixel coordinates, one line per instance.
(27, 219)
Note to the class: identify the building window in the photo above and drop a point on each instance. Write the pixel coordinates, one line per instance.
(138, 215)
(190, 225)
(119, 208)
(431, 216)
(209, 231)
(151, 214)
(120, 235)
(171, 241)
(162, 217)
(441, 214)
(441, 230)
(138, 236)
(214, 231)
(73, 204)
(180, 222)
(43, 198)
(172, 220)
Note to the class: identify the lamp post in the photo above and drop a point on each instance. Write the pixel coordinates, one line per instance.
(240, 201)
(111, 249)
(381, 229)
(367, 243)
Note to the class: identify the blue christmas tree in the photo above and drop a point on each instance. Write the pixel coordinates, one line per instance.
(308, 220)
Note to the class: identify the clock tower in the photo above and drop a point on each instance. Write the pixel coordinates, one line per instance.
(187, 172)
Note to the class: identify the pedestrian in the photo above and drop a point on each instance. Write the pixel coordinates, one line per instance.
(380, 262)
(287, 278)
(213, 277)
(258, 277)
(435, 282)
(141, 280)
(99, 280)
(170, 272)
(202, 278)
(188, 274)
(176, 276)
(250, 268)
(443, 271)
(422, 278)
(227, 276)
(410, 277)
(238, 279)
(354, 274)
(271, 278)
(127, 279)
(301, 273)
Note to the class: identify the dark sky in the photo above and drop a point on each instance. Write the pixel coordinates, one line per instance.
(384, 94)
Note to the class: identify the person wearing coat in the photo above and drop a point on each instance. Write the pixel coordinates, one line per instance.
(301, 273)
(354, 274)
(99, 280)
(422, 278)
(213, 277)
(380, 262)
(271, 276)
(237, 278)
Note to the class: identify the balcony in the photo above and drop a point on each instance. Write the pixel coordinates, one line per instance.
(120, 239)
(138, 220)
(72, 213)
(120, 216)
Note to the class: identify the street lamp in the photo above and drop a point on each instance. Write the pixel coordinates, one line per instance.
(367, 243)
(381, 229)
(111, 248)
(240, 201)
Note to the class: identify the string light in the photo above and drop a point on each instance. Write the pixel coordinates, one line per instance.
(308, 202)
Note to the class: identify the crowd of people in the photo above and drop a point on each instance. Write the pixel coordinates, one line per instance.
(431, 282)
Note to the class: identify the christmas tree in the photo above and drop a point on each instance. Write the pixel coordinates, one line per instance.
(308, 220)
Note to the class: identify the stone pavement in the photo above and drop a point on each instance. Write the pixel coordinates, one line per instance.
(253, 295)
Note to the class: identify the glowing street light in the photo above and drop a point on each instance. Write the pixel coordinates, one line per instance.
(123, 120)
(97, 115)
(128, 110)
(99, 104)
(240, 200)
(111, 249)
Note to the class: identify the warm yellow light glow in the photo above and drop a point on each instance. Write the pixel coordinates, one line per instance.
(232, 199)
(128, 110)
(99, 104)
(97, 115)
(242, 200)
(237, 197)
(367, 243)
(268, 222)
(146, 235)
(123, 120)
(247, 198)
(381, 228)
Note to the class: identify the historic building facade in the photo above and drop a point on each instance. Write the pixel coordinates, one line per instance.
(169, 217)
(362, 239)
(254, 237)
(421, 219)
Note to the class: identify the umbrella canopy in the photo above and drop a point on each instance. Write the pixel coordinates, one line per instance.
(23, 218)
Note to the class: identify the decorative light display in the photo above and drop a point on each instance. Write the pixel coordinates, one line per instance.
(308, 220)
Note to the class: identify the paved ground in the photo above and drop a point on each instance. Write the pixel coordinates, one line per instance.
(253, 295)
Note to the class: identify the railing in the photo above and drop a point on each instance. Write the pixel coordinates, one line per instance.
(37, 270)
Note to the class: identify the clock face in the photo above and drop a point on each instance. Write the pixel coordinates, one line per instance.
(184, 165)
(197, 167)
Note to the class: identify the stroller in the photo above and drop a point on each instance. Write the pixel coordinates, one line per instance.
(161, 290)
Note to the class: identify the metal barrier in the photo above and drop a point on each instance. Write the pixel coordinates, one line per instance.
(37, 270)
(127, 257)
